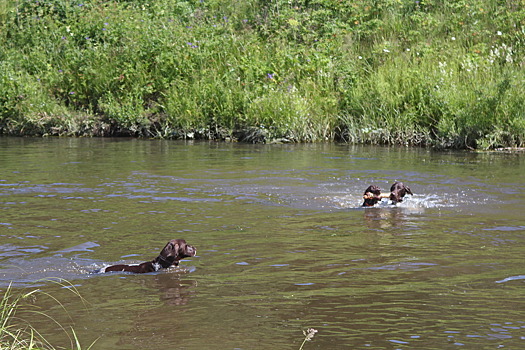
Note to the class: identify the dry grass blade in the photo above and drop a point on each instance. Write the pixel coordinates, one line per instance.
(308, 336)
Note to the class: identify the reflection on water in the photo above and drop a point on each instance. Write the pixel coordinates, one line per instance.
(512, 278)
(283, 243)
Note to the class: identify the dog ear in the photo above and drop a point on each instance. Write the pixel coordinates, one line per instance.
(168, 250)
(373, 189)
(174, 247)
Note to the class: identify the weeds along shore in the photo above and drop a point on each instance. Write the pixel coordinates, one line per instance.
(17, 333)
(432, 73)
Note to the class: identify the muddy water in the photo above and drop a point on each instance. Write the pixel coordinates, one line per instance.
(282, 244)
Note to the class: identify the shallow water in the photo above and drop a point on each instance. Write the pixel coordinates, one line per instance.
(283, 244)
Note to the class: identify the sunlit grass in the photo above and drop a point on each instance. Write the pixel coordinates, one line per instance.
(441, 74)
(16, 333)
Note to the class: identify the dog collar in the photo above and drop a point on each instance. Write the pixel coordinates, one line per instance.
(163, 262)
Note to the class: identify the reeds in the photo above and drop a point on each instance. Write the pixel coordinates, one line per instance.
(17, 333)
(12, 337)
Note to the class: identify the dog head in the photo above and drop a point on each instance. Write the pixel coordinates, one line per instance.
(370, 201)
(173, 251)
(398, 191)
(179, 249)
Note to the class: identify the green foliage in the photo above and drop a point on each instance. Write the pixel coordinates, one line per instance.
(428, 72)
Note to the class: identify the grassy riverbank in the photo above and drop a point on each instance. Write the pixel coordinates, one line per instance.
(437, 73)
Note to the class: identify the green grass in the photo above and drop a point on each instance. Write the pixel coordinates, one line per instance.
(430, 72)
(12, 337)
(16, 333)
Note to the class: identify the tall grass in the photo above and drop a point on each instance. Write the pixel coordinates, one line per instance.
(12, 337)
(438, 73)
(17, 333)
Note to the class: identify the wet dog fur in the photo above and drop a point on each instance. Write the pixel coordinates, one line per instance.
(373, 194)
(174, 251)
(398, 191)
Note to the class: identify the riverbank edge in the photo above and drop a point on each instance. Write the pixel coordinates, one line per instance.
(342, 132)
(255, 135)
(88, 126)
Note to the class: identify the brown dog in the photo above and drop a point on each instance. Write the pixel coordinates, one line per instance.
(398, 191)
(372, 196)
(171, 254)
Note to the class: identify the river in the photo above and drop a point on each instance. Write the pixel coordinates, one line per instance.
(282, 244)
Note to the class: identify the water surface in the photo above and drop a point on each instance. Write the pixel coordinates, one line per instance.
(283, 244)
